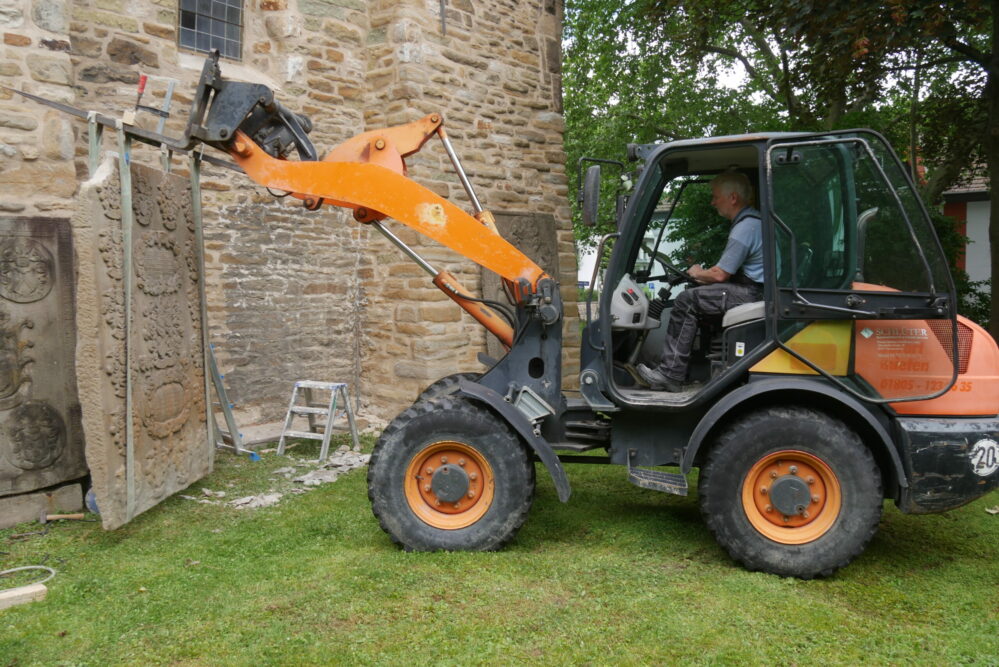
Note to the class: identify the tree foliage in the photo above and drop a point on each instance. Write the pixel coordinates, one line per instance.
(922, 73)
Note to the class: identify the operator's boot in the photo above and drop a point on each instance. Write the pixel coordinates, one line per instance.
(658, 381)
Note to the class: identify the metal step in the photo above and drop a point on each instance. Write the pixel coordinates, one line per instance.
(304, 434)
(306, 410)
(597, 438)
(657, 480)
(574, 446)
(315, 384)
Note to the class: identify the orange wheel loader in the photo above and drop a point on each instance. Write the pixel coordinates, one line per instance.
(852, 381)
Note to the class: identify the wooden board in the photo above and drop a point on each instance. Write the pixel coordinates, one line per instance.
(22, 594)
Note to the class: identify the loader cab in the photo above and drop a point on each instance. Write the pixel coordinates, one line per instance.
(846, 240)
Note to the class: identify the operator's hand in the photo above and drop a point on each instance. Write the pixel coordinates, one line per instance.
(696, 271)
(706, 276)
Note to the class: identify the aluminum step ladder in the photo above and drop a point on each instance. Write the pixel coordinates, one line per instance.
(311, 410)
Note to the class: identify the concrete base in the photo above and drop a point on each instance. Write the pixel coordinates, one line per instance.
(29, 506)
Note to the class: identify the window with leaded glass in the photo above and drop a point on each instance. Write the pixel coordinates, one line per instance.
(212, 24)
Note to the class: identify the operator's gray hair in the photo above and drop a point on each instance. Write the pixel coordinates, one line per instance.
(731, 181)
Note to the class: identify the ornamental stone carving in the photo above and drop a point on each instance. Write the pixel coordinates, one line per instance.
(26, 270)
(41, 442)
(158, 439)
(36, 434)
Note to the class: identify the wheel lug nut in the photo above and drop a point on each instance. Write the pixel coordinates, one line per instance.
(461, 462)
(437, 502)
(815, 499)
(773, 475)
(473, 476)
(471, 494)
(770, 508)
(443, 459)
(457, 506)
(804, 515)
(426, 488)
(786, 518)
(763, 490)
(793, 470)
(430, 471)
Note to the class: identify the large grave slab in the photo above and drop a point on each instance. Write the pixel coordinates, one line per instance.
(151, 373)
(41, 440)
(535, 235)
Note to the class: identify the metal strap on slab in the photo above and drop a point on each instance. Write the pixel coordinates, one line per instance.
(127, 215)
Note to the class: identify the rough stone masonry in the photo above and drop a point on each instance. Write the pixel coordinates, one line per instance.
(293, 294)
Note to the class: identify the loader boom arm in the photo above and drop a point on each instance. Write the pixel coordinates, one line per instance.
(367, 174)
(373, 191)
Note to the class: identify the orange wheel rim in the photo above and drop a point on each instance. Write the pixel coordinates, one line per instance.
(791, 497)
(449, 485)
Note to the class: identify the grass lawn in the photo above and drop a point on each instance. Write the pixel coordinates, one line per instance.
(619, 575)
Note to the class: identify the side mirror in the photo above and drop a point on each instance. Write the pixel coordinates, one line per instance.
(591, 195)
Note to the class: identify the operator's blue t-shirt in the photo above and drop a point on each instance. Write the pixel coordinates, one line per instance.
(745, 246)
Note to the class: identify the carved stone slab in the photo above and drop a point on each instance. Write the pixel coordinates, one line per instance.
(164, 350)
(535, 235)
(41, 440)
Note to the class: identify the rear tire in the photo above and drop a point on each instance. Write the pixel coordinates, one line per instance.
(791, 491)
(448, 474)
(446, 386)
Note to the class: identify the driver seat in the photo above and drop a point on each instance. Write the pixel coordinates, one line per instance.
(746, 312)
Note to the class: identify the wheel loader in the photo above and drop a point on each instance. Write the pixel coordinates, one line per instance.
(853, 381)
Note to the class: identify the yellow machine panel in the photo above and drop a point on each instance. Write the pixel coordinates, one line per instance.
(825, 344)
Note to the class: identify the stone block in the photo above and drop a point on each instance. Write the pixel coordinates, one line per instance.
(57, 137)
(85, 46)
(117, 21)
(56, 45)
(129, 53)
(17, 122)
(104, 73)
(116, 6)
(50, 69)
(159, 30)
(11, 13)
(14, 39)
(171, 447)
(322, 8)
(443, 312)
(35, 179)
(41, 440)
(283, 27)
(28, 507)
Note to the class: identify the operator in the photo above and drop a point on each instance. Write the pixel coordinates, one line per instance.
(737, 278)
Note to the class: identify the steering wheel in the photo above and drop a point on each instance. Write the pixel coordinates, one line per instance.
(678, 275)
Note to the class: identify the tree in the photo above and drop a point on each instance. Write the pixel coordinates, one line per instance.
(922, 73)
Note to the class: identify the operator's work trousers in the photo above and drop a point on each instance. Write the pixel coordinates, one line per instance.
(693, 304)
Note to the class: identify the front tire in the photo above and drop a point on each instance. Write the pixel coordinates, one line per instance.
(450, 475)
(791, 491)
(446, 386)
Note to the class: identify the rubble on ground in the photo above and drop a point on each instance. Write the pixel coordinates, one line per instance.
(304, 474)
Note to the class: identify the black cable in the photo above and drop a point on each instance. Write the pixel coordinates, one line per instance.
(495, 305)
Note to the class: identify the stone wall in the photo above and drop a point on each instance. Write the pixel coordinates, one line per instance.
(293, 294)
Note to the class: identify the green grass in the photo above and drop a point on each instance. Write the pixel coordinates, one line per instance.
(617, 575)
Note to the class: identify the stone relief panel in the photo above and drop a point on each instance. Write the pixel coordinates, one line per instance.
(162, 349)
(41, 438)
(535, 235)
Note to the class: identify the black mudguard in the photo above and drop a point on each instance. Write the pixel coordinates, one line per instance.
(790, 390)
(519, 423)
